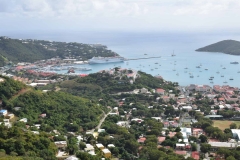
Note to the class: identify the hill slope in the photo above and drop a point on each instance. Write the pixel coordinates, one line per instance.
(226, 46)
(29, 50)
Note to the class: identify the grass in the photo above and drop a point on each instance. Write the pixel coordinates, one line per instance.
(224, 124)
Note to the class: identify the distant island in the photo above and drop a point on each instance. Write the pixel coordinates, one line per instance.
(226, 46)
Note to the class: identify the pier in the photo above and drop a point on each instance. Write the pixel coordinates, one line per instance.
(142, 58)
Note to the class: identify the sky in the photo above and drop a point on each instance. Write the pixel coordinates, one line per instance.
(121, 15)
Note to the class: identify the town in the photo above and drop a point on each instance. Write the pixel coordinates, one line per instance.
(196, 121)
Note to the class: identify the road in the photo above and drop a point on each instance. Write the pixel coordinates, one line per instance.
(102, 120)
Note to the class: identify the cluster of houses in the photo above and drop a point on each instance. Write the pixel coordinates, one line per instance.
(121, 72)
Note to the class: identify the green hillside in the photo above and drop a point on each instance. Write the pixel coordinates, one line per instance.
(227, 46)
(64, 111)
(29, 50)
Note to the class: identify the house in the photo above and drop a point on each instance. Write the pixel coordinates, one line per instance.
(161, 139)
(61, 144)
(221, 106)
(171, 134)
(137, 120)
(196, 132)
(236, 133)
(181, 152)
(122, 123)
(160, 91)
(101, 130)
(3, 112)
(228, 145)
(195, 155)
(188, 108)
(100, 146)
(110, 146)
(23, 120)
(180, 146)
(106, 153)
(141, 140)
(10, 116)
(72, 158)
(202, 88)
(43, 115)
(186, 132)
(89, 148)
(6, 123)
(143, 90)
(166, 98)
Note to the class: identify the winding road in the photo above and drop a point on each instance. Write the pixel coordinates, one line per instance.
(102, 120)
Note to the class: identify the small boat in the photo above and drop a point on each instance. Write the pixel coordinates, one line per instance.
(156, 63)
(206, 69)
(210, 79)
(211, 82)
(238, 72)
(234, 62)
(186, 68)
(231, 79)
(224, 68)
(222, 75)
(177, 74)
(225, 82)
(198, 67)
(191, 76)
(173, 54)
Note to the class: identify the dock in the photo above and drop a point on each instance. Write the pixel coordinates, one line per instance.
(142, 58)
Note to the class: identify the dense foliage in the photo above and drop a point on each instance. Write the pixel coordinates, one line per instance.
(99, 84)
(62, 110)
(9, 87)
(17, 142)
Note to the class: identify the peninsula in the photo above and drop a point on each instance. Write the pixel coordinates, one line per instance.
(226, 46)
(31, 50)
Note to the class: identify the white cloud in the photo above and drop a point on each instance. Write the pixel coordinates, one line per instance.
(145, 14)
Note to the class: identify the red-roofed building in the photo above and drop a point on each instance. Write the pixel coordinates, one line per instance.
(181, 152)
(221, 99)
(161, 139)
(141, 140)
(171, 134)
(195, 155)
(196, 132)
(83, 75)
(160, 91)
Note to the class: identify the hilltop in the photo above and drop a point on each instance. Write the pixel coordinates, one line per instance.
(226, 46)
(31, 50)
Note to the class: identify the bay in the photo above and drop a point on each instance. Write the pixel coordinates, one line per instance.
(150, 44)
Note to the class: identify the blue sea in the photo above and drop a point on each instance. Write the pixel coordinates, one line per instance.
(153, 44)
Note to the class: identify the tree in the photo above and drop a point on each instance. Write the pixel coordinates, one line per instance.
(178, 129)
(233, 126)
(194, 147)
(205, 147)
(203, 138)
(230, 158)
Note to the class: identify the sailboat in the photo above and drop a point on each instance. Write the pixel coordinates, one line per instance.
(173, 54)
(225, 81)
(191, 76)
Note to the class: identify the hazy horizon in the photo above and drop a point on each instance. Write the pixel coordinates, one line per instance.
(168, 16)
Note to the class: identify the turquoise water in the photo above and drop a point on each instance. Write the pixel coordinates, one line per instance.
(138, 45)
